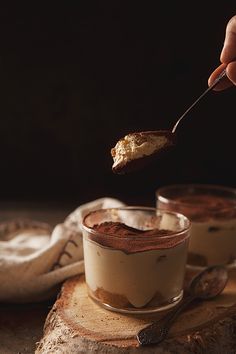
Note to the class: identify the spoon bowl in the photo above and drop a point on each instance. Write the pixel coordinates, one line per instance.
(209, 283)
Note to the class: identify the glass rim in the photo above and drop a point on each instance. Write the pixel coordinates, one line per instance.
(158, 212)
(187, 186)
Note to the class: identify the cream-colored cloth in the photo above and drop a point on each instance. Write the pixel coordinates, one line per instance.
(35, 259)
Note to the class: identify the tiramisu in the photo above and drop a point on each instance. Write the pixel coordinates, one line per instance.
(212, 211)
(135, 150)
(136, 266)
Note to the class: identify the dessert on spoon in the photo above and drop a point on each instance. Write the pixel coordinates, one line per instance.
(137, 149)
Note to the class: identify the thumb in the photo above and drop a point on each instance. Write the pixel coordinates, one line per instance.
(224, 83)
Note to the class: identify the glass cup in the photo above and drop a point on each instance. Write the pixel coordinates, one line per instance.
(135, 258)
(212, 212)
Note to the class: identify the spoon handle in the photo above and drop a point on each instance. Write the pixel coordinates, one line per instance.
(217, 80)
(158, 330)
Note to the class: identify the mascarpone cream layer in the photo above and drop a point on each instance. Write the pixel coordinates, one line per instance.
(214, 239)
(137, 276)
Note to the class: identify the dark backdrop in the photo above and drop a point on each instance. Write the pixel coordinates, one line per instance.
(76, 78)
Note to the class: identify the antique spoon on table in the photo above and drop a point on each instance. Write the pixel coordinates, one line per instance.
(206, 285)
(137, 149)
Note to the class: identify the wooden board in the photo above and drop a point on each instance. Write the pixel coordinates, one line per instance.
(77, 325)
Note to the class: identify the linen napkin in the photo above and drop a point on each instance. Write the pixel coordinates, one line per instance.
(35, 259)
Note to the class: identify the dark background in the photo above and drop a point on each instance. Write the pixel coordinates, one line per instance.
(77, 77)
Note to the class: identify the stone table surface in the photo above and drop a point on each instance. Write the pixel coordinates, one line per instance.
(21, 325)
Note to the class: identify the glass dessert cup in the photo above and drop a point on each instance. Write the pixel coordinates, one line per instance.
(212, 212)
(135, 258)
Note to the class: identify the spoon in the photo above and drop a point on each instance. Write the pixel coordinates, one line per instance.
(206, 285)
(137, 149)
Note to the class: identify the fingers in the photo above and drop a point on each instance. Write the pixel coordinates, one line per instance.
(228, 53)
(224, 83)
(228, 58)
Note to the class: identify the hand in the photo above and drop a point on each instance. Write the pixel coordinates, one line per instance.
(227, 57)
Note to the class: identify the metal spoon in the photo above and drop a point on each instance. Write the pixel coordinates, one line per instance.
(206, 285)
(221, 76)
(137, 149)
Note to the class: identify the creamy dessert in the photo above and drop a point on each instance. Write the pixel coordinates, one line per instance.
(213, 231)
(136, 149)
(130, 269)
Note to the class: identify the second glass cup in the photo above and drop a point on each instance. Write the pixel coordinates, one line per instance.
(212, 211)
(135, 258)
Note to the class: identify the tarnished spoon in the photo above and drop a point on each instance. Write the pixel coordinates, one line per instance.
(206, 285)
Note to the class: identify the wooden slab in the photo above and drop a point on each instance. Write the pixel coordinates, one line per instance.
(77, 325)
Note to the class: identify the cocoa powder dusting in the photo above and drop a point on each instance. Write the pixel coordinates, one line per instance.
(203, 207)
(130, 240)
